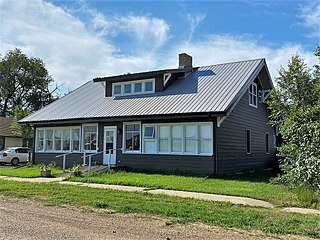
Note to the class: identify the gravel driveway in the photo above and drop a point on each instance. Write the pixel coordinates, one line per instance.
(25, 219)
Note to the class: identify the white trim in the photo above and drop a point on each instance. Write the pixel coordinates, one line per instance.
(143, 91)
(82, 136)
(124, 136)
(166, 78)
(220, 120)
(114, 128)
(265, 95)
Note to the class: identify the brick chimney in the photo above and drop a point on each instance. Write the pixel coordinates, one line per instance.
(185, 60)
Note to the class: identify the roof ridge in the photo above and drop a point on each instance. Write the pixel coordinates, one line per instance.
(248, 60)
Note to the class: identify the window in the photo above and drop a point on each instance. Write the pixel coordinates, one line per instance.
(66, 139)
(40, 139)
(149, 132)
(176, 138)
(164, 138)
(133, 87)
(63, 139)
(204, 138)
(132, 137)
(49, 139)
(76, 139)
(190, 139)
(267, 143)
(248, 141)
(127, 88)
(117, 89)
(90, 137)
(253, 98)
(138, 87)
(274, 140)
(57, 139)
(148, 86)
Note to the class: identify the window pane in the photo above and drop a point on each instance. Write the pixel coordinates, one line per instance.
(163, 131)
(148, 86)
(90, 137)
(163, 145)
(176, 145)
(205, 131)
(57, 139)
(40, 140)
(149, 132)
(127, 88)
(205, 146)
(176, 131)
(132, 137)
(190, 145)
(117, 89)
(66, 139)
(49, 140)
(137, 87)
(75, 139)
(190, 131)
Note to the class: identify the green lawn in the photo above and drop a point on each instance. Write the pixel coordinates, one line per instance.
(174, 208)
(254, 185)
(25, 171)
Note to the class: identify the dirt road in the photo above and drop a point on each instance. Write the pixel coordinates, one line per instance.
(25, 219)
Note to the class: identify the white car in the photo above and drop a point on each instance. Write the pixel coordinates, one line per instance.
(15, 155)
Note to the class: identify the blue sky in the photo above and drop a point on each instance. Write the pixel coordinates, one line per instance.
(79, 40)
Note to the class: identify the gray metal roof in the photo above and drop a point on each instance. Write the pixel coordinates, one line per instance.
(208, 89)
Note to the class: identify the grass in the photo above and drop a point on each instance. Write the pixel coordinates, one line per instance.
(254, 185)
(176, 209)
(25, 171)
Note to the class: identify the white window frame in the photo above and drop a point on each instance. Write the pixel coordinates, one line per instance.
(143, 91)
(82, 136)
(253, 95)
(44, 139)
(246, 138)
(124, 137)
(183, 124)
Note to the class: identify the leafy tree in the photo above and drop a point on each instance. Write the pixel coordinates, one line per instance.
(24, 130)
(295, 108)
(23, 81)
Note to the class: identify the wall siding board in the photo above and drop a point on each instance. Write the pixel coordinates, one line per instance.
(231, 138)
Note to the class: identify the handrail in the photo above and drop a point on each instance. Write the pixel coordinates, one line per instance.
(64, 158)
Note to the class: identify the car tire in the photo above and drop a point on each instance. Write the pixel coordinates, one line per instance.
(15, 161)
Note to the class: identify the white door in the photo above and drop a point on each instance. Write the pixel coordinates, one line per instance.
(110, 145)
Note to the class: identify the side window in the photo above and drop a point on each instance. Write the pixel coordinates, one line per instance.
(248, 141)
(253, 95)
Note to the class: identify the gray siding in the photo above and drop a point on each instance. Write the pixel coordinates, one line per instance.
(231, 138)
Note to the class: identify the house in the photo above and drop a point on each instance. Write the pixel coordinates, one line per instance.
(199, 120)
(8, 138)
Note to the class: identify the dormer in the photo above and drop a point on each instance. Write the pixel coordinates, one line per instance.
(145, 82)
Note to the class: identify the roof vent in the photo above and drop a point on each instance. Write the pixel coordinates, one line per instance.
(185, 60)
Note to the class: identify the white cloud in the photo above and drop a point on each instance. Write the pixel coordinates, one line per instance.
(310, 14)
(226, 48)
(194, 20)
(73, 53)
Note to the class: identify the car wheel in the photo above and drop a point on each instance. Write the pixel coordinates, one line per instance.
(15, 161)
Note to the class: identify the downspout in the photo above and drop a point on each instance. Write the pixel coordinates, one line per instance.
(215, 149)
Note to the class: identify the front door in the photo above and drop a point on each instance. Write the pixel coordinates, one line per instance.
(110, 145)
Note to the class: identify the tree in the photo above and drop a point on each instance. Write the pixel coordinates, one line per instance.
(24, 130)
(295, 108)
(23, 81)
